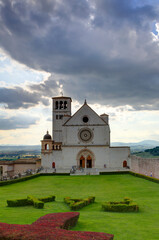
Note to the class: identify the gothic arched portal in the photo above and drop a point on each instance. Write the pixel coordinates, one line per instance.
(85, 159)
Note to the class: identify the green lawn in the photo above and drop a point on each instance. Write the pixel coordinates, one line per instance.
(125, 226)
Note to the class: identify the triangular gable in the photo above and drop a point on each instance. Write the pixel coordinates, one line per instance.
(85, 110)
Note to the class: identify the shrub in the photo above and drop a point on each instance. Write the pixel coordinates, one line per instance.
(124, 206)
(76, 204)
(38, 204)
(50, 198)
(35, 202)
(127, 200)
(50, 226)
(30, 200)
(18, 202)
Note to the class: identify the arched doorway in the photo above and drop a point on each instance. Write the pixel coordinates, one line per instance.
(53, 165)
(85, 159)
(124, 164)
(89, 162)
(82, 162)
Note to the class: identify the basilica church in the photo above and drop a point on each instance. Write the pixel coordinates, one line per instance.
(80, 141)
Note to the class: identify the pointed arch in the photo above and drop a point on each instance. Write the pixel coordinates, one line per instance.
(85, 159)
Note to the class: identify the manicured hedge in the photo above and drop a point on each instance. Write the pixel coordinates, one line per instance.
(47, 199)
(8, 182)
(145, 177)
(76, 204)
(18, 202)
(30, 200)
(36, 203)
(114, 173)
(54, 174)
(124, 206)
(50, 226)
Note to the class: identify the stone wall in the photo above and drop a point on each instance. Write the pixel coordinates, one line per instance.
(146, 166)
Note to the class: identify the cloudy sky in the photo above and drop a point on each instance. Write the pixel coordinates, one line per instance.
(105, 51)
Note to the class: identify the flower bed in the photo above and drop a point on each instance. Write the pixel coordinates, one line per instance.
(127, 205)
(76, 204)
(30, 200)
(50, 226)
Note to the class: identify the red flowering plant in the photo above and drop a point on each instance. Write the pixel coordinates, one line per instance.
(52, 226)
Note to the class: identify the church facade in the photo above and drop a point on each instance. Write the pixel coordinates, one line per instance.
(80, 141)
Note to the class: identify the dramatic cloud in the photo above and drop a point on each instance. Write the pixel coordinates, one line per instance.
(19, 98)
(101, 50)
(15, 122)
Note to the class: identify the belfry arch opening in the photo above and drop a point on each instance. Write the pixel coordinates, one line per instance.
(46, 146)
(61, 104)
(65, 104)
(56, 105)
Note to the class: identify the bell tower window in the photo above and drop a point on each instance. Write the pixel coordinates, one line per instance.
(61, 104)
(65, 104)
(56, 105)
(46, 146)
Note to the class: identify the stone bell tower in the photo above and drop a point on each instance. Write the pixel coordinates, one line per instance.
(61, 107)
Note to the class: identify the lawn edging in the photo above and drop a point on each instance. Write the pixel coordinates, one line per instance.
(22, 179)
(114, 173)
(145, 177)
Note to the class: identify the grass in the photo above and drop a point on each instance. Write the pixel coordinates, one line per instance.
(125, 226)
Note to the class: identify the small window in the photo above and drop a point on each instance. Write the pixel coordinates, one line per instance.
(85, 119)
(57, 117)
(60, 116)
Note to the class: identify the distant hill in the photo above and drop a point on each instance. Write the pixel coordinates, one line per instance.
(11, 148)
(153, 151)
(135, 147)
(138, 146)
